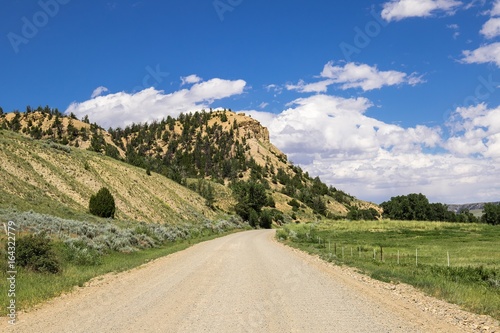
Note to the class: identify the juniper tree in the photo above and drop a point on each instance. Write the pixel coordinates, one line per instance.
(102, 204)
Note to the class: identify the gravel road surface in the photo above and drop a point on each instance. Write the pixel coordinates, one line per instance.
(244, 282)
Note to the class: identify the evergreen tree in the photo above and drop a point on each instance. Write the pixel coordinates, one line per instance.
(102, 204)
(209, 195)
(251, 197)
(266, 219)
(15, 123)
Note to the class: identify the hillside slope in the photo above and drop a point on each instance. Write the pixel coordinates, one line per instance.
(59, 180)
(221, 147)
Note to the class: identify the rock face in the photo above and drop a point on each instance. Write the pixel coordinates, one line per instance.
(255, 129)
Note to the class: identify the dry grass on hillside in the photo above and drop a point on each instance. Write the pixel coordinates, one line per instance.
(37, 173)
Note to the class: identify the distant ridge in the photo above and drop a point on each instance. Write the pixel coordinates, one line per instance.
(470, 206)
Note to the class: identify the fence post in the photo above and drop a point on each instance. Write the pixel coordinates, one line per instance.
(398, 257)
(448, 255)
(416, 257)
(381, 254)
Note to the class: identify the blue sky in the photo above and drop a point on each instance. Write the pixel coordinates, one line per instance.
(379, 98)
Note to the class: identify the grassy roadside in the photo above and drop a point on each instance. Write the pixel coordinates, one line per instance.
(415, 253)
(33, 288)
(75, 251)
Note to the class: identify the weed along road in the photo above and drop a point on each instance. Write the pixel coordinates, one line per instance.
(244, 282)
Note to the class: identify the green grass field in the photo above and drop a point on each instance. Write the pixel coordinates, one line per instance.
(415, 253)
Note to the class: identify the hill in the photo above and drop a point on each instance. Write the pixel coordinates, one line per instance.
(474, 208)
(207, 152)
(50, 178)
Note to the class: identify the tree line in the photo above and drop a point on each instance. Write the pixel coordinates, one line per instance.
(416, 207)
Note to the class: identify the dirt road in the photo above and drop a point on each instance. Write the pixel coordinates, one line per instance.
(244, 282)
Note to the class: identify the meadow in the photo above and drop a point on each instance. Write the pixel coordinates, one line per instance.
(457, 262)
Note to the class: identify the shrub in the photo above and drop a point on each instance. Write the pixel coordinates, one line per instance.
(79, 253)
(282, 234)
(270, 202)
(266, 219)
(253, 218)
(102, 204)
(85, 243)
(35, 252)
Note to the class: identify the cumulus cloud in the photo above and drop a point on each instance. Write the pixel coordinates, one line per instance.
(366, 77)
(353, 75)
(122, 109)
(333, 137)
(495, 11)
(193, 78)
(441, 177)
(396, 10)
(99, 91)
(476, 131)
(491, 28)
(340, 127)
(489, 53)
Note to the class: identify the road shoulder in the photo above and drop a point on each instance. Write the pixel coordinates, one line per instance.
(428, 313)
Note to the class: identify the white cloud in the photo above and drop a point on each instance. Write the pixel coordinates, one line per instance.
(270, 87)
(363, 76)
(274, 88)
(489, 53)
(484, 54)
(353, 75)
(442, 178)
(495, 11)
(98, 91)
(396, 10)
(455, 28)
(332, 137)
(339, 127)
(122, 109)
(317, 87)
(193, 78)
(476, 131)
(491, 28)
